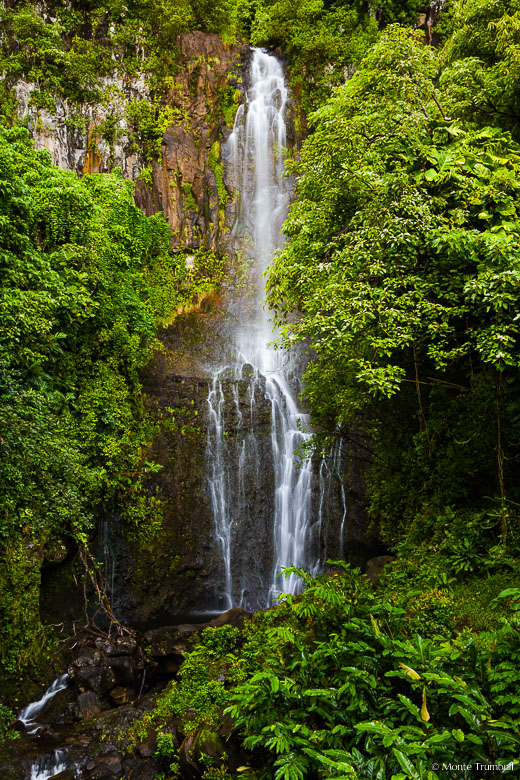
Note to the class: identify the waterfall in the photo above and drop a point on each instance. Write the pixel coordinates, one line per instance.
(255, 375)
(30, 714)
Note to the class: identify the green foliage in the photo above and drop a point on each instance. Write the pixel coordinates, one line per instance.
(346, 690)
(7, 718)
(188, 200)
(149, 123)
(483, 78)
(73, 56)
(403, 260)
(342, 681)
(85, 280)
(217, 168)
(324, 41)
(214, 15)
(166, 748)
(36, 50)
(200, 693)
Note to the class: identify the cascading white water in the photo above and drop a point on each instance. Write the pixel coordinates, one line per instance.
(30, 714)
(337, 466)
(51, 764)
(48, 766)
(255, 152)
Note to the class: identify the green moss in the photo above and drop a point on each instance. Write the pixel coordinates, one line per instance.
(8, 104)
(143, 516)
(216, 166)
(188, 201)
(229, 99)
(146, 176)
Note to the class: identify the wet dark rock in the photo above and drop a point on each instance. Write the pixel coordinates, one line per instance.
(101, 772)
(117, 646)
(99, 679)
(48, 734)
(247, 371)
(67, 774)
(226, 724)
(147, 748)
(168, 666)
(170, 640)
(122, 694)
(59, 711)
(233, 617)
(108, 766)
(124, 670)
(86, 656)
(88, 705)
(113, 675)
(207, 740)
(376, 566)
(140, 769)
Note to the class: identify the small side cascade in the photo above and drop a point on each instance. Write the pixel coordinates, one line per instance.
(219, 482)
(337, 469)
(49, 766)
(31, 714)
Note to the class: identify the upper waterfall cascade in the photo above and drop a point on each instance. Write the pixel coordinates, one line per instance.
(255, 154)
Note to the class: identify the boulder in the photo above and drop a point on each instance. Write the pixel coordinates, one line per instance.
(124, 669)
(58, 710)
(375, 566)
(99, 679)
(88, 705)
(107, 766)
(171, 640)
(147, 748)
(117, 646)
(233, 617)
(86, 656)
(122, 694)
(205, 740)
(208, 741)
(140, 769)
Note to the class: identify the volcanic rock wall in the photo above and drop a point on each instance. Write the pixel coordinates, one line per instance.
(182, 181)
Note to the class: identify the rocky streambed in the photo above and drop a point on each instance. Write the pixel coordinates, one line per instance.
(79, 728)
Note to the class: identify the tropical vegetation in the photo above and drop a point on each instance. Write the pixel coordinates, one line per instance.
(402, 263)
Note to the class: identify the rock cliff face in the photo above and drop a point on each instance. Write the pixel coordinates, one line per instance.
(184, 179)
(181, 570)
(187, 180)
